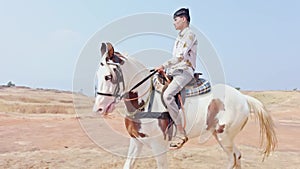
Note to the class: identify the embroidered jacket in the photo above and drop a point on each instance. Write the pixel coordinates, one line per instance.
(184, 52)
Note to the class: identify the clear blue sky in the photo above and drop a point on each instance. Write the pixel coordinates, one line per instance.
(258, 42)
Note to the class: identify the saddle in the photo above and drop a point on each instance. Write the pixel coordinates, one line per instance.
(197, 86)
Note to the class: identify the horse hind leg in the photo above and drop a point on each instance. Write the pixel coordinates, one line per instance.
(238, 157)
(134, 151)
(233, 153)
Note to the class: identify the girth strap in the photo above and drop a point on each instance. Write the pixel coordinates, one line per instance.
(151, 99)
(152, 115)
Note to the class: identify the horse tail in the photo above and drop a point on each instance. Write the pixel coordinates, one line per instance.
(266, 123)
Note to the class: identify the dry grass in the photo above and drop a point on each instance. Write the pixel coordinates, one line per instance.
(37, 101)
(27, 100)
(281, 98)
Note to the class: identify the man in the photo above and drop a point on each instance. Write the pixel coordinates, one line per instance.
(181, 67)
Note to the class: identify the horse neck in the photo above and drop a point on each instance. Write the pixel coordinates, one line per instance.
(134, 72)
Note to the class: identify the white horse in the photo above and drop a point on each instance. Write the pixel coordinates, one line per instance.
(224, 106)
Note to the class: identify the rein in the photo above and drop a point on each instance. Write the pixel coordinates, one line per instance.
(116, 95)
(108, 94)
(142, 81)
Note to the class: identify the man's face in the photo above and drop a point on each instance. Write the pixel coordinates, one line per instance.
(179, 22)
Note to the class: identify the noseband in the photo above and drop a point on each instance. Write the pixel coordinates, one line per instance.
(120, 79)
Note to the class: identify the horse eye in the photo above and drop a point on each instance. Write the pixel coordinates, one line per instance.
(108, 77)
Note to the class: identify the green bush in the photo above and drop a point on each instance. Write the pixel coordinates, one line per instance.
(10, 84)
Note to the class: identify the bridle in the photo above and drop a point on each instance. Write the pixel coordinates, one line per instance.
(111, 58)
(120, 79)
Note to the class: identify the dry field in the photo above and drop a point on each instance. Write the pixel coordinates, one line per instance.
(40, 129)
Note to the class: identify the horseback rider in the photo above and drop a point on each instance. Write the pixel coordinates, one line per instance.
(181, 67)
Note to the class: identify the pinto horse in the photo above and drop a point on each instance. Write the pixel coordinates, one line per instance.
(222, 113)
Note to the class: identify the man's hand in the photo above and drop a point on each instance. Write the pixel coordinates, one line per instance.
(159, 69)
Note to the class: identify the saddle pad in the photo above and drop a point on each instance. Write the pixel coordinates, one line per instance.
(194, 88)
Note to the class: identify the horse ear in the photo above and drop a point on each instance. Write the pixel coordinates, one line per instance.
(103, 48)
(110, 49)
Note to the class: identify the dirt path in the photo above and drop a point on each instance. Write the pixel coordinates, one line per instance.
(47, 141)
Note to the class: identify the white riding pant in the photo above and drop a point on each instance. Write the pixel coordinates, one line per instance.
(180, 79)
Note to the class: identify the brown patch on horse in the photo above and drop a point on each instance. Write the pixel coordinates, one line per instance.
(133, 127)
(215, 106)
(220, 128)
(164, 124)
(132, 103)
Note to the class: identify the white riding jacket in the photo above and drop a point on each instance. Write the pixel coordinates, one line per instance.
(184, 52)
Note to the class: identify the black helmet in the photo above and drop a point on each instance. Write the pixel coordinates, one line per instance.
(183, 12)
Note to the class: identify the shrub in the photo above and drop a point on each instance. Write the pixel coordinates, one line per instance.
(10, 84)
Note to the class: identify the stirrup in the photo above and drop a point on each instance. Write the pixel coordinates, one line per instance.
(179, 143)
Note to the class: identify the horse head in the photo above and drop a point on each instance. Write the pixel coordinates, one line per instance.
(108, 79)
(115, 75)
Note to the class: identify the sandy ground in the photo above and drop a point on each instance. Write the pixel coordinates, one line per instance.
(39, 129)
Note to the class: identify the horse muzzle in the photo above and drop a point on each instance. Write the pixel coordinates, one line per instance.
(104, 110)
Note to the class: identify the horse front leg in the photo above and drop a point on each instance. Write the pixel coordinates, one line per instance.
(159, 148)
(134, 151)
